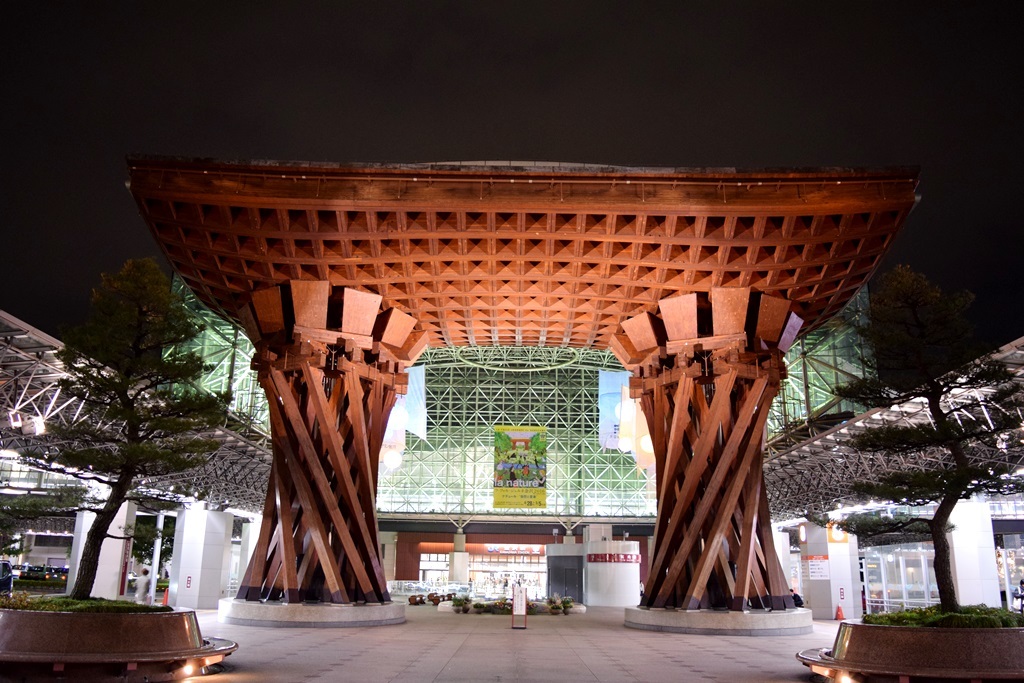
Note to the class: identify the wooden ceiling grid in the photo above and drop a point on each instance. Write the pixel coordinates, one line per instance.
(526, 257)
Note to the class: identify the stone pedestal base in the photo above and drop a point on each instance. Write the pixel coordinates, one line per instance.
(312, 615)
(791, 622)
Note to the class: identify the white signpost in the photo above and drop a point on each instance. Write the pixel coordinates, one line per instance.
(518, 605)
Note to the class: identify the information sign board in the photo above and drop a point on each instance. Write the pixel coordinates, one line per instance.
(518, 605)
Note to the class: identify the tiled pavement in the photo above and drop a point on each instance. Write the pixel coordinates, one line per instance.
(441, 646)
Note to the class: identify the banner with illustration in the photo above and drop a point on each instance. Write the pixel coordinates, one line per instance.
(520, 467)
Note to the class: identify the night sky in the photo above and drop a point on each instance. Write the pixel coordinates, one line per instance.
(749, 85)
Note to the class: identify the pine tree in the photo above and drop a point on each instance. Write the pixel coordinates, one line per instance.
(922, 348)
(142, 415)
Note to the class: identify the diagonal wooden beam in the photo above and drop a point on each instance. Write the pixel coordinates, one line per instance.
(661, 569)
(307, 453)
(745, 550)
(250, 587)
(751, 458)
(722, 469)
(360, 448)
(335, 452)
(279, 413)
(778, 585)
(286, 545)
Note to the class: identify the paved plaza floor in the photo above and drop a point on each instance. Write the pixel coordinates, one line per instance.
(441, 646)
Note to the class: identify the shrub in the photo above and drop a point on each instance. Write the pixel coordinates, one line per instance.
(957, 620)
(41, 584)
(22, 601)
(970, 616)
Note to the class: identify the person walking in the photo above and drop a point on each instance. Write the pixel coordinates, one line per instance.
(142, 588)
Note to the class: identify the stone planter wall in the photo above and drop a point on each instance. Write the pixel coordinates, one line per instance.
(884, 652)
(89, 646)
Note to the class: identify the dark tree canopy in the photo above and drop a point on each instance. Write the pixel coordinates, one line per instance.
(142, 415)
(921, 348)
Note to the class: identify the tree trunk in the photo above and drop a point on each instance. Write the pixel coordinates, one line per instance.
(87, 566)
(943, 565)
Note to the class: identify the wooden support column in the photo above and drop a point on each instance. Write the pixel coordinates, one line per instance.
(709, 396)
(331, 384)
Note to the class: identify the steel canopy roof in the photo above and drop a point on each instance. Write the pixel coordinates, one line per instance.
(525, 255)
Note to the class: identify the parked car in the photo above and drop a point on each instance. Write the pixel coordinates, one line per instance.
(6, 578)
(40, 572)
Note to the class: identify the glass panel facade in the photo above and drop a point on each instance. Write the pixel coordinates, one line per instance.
(227, 352)
(472, 389)
(899, 577)
(469, 392)
(1010, 563)
(817, 363)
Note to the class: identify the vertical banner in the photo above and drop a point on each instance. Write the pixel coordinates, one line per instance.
(520, 467)
(609, 402)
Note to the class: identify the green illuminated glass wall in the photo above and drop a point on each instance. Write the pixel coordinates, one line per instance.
(470, 390)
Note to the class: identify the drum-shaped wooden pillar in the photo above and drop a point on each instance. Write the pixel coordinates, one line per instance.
(706, 370)
(332, 366)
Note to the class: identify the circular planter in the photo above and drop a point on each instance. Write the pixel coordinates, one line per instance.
(885, 653)
(144, 646)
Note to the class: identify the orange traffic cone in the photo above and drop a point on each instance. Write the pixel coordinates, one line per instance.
(166, 593)
(839, 613)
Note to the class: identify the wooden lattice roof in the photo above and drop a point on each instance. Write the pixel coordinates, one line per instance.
(526, 255)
